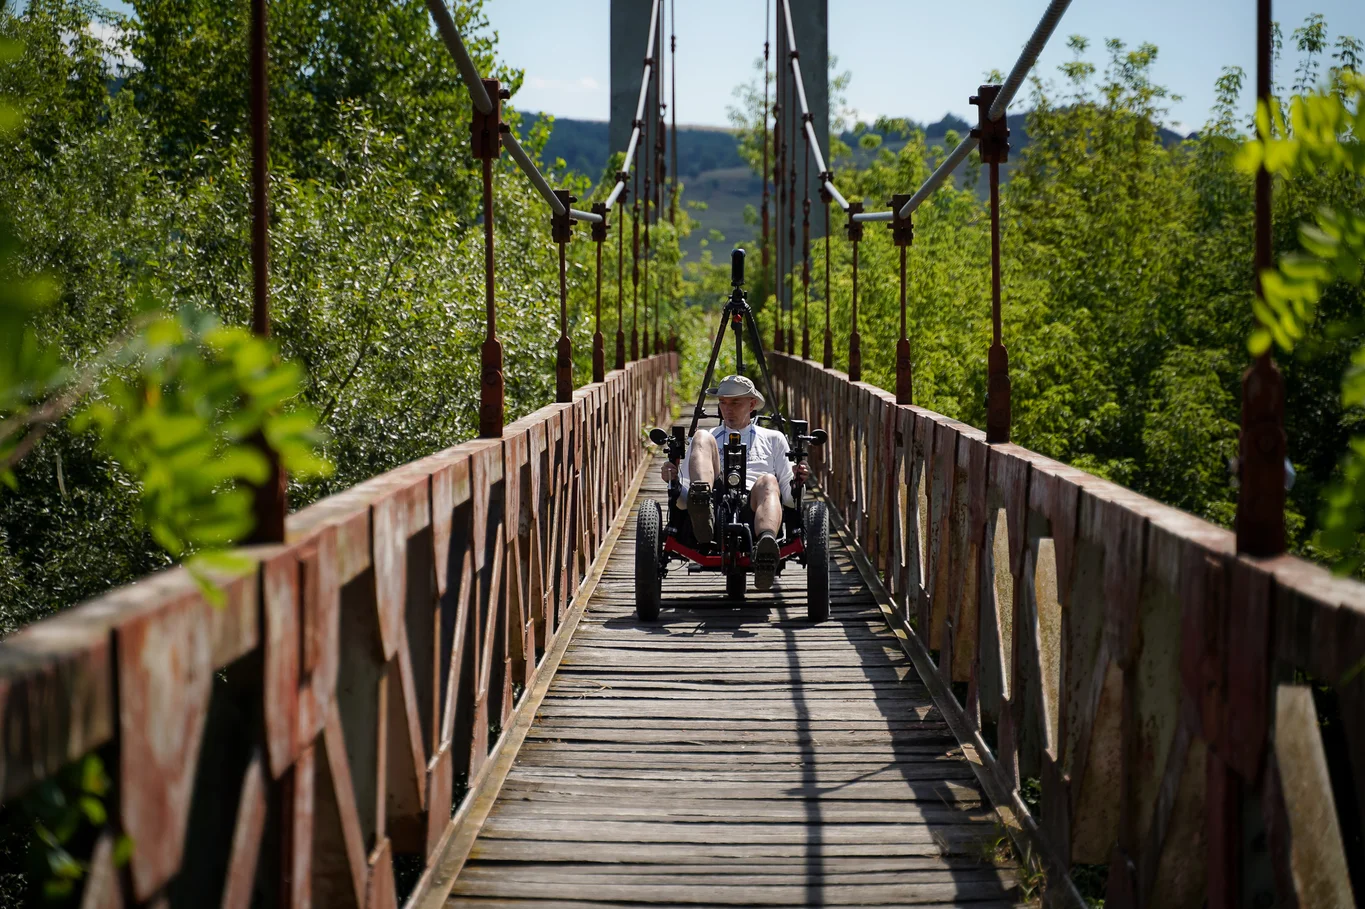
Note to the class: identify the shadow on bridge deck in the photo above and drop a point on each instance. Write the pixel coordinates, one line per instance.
(730, 756)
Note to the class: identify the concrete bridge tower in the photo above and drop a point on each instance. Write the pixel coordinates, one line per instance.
(810, 21)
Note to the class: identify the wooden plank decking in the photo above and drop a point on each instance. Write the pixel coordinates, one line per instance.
(731, 756)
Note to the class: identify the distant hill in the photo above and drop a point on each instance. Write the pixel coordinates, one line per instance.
(716, 176)
(583, 146)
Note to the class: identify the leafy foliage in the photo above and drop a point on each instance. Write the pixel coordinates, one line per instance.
(1127, 285)
(1321, 141)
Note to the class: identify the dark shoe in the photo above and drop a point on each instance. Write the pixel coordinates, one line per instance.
(699, 509)
(765, 561)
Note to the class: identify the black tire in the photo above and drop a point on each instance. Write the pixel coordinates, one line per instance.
(735, 584)
(816, 528)
(648, 584)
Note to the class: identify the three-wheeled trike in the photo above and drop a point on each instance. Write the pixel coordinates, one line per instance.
(664, 534)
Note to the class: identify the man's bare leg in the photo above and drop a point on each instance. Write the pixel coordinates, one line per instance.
(766, 501)
(703, 466)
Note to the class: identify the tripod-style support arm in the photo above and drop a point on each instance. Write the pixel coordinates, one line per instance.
(739, 318)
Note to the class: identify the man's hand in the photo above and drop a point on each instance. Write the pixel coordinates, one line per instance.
(668, 471)
(801, 470)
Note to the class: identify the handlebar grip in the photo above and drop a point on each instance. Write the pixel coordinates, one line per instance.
(737, 267)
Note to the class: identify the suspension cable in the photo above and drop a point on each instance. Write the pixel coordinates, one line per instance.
(635, 280)
(646, 167)
(673, 108)
(764, 135)
(855, 341)
(805, 255)
(826, 183)
(1027, 58)
(561, 230)
(903, 234)
(620, 291)
(599, 351)
(780, 189)
(790, 141)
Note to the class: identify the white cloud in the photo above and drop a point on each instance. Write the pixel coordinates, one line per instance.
(110, 35)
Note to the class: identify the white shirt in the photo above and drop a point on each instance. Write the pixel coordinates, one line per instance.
(767, 453)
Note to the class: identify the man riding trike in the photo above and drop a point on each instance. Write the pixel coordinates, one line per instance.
(735, 502)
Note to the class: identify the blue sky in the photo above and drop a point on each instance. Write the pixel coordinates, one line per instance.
(907, 57)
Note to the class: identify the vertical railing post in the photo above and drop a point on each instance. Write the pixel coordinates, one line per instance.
(673, 107)
(561, 231)
(827, 355)
(599, 343)
(855, 340)
(271, 500)
(660, 158)
(766, 195)
(485, 132)
(903, 234)
(635, 276)
(993, 138)
(779, 181)
(805, 245)
(621, 177)
(647, 166)
(789, 161)
(1262, 444)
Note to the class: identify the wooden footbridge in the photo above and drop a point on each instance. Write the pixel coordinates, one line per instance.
(730, 756)
(1034, 684)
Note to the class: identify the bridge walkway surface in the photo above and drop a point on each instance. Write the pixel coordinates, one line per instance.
(736, 756)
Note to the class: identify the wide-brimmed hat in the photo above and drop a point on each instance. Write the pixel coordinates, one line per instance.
(738, 387)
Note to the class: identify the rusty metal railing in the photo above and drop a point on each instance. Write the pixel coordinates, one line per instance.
(1189, 716)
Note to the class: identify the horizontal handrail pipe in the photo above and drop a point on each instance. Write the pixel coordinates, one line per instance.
(1163, 692)
(329, 716)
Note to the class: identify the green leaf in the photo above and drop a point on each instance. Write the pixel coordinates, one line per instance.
(93, 809)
